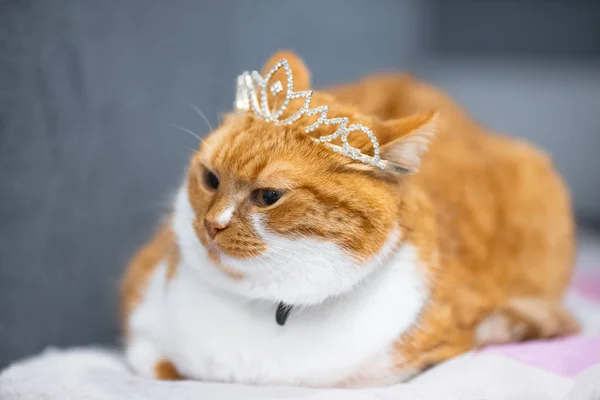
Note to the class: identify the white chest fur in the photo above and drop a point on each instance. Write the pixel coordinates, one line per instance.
(212, 333)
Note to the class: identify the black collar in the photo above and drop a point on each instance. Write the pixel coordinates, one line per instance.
(282, 313)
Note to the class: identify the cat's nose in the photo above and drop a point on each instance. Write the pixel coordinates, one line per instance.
(213, 227)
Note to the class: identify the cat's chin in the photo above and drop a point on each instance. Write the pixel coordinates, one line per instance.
(306, 284)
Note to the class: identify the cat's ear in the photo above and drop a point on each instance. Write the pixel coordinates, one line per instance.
(299, 70)
(407, 139)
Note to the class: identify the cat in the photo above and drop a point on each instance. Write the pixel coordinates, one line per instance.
(285, 263)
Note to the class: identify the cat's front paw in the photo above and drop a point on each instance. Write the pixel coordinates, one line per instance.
(144, 357)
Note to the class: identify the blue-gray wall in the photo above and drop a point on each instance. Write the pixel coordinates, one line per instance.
(89, 91)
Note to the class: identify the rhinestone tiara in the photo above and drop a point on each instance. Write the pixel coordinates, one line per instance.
(247, 99)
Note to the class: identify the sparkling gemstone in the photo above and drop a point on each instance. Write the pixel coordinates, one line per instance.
(276, 88)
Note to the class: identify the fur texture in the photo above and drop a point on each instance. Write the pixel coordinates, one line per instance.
(388, 274)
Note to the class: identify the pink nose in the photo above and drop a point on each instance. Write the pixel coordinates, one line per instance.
(212, 228)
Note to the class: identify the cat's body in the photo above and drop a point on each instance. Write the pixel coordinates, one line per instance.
(387, 275)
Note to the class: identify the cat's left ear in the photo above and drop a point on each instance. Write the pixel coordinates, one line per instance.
(407, 139)
(299, 70)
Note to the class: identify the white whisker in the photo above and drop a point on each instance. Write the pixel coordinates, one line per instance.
(201, 114)
(281, 267)
(335, 271)
(194, 134)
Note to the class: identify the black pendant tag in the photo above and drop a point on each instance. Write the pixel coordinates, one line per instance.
(281, 315)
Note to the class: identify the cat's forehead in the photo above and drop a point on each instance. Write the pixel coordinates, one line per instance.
(256, 150)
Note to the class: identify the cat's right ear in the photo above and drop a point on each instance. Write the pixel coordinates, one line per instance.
(407, 139)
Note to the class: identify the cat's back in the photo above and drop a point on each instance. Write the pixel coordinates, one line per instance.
(502, 210)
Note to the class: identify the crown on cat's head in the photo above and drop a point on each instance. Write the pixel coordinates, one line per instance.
(252, 94)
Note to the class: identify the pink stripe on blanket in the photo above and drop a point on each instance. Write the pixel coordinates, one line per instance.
(566, 356)
(588, 285)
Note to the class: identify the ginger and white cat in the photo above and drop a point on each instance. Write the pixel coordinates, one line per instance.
(286, 263)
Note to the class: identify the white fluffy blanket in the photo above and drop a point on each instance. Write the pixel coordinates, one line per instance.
(95, 374)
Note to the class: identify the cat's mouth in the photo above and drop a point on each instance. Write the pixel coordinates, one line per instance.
(230, 245)
(214, 249)
(229, 251)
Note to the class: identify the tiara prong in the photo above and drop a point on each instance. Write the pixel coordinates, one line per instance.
(248, 99)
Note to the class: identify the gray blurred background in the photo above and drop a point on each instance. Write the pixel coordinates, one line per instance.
(89, 91)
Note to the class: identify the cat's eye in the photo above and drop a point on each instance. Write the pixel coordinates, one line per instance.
(210, 180)
(267, 197)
